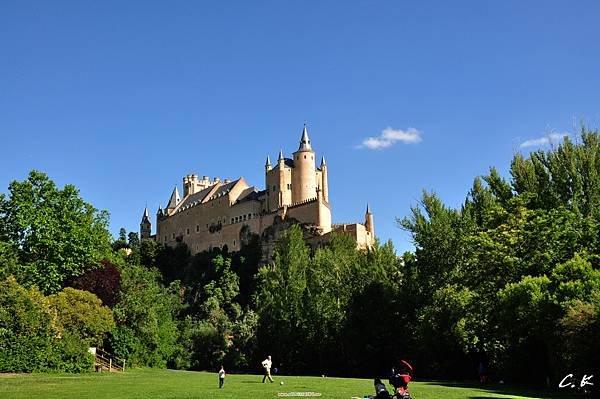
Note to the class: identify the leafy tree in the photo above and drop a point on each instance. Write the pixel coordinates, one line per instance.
(146, 332)
(80, 314)
(26, 328)
(104, 281)
(281, 301)
(56, 234)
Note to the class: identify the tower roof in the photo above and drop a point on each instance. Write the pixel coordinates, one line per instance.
(174, 200)
(145, 216)
(268, 161)
(368, 209)
(281, 158)
(323, 161)
(305, 141)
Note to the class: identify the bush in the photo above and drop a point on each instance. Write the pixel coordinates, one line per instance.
(26, 331)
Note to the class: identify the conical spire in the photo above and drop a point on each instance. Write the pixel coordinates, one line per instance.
(305, 141)
(281, 158)
(268, 161)
(368, 209)
(145, 216)
(174, 200)
(323, 161)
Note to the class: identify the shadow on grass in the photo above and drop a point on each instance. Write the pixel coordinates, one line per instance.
(509, 390)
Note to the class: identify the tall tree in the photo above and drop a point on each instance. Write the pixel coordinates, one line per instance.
(57, 235)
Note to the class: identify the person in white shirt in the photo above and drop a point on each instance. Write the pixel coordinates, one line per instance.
(267, 366)
(221, 377)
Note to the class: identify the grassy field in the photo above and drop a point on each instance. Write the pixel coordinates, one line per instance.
(170, 384)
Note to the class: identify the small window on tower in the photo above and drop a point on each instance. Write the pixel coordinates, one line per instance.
(197, 228)
(187, 231)
(305, 157)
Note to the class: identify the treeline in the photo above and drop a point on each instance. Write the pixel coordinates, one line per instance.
(511, 280)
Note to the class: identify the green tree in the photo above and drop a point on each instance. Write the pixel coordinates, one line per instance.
(82, 315)
(146, 332)
(57, 235)
(26, 328)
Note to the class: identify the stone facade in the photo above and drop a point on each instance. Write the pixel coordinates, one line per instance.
(215, 213)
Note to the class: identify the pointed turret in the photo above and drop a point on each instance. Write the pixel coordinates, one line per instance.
(268, 163)
(369, 222)
(145, 216)
(174, 200)
(145, 225)
(160, 211)
(323, 161)
(281, 158)
(305, 141)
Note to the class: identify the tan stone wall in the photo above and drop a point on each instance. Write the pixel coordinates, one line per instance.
(304, 177)
(275, 182)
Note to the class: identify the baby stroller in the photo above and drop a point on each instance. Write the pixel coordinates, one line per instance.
(399, 379)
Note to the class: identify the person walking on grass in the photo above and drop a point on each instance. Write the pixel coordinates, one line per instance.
(221, 377)
(267, 363)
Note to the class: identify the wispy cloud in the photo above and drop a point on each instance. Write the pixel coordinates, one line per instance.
(551, 138)
(389, 137)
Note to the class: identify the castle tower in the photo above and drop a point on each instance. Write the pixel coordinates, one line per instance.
(369, 221)
(304, 184)
(145, 226)
(324, 184)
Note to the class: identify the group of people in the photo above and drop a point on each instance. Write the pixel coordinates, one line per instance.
(266, 364)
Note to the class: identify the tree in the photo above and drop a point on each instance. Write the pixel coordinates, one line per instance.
(146, 332)
(26, 329)
(56, 234)
(80, 314)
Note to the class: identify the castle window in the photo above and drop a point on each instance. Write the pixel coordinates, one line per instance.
(289, 186)
(249, 216)
(173, 235)
(305, 157)
(274, 188)
(234, 243)
(165, 238)
(197, 228)
(244, 217)
(231, 220)
(187, 231)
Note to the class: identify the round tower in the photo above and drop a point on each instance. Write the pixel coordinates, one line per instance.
(304, 179)
(324, 183)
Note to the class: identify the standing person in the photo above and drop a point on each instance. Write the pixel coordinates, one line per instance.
(221, 377)
(267, 366)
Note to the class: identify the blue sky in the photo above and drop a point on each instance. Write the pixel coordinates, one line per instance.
(122, 99)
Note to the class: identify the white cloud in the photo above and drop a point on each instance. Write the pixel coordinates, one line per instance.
(551, 138)
(389, 137)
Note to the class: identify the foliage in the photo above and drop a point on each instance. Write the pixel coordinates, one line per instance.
(26, 328)
(80, 314)
(146, 332)
(104, 281)
(511, 277)
(56, 234)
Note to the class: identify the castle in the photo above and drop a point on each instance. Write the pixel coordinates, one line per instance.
(223, 213)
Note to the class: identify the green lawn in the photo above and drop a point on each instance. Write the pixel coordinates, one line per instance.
(170, 384)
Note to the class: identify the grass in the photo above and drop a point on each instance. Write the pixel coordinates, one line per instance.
(170, 384)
